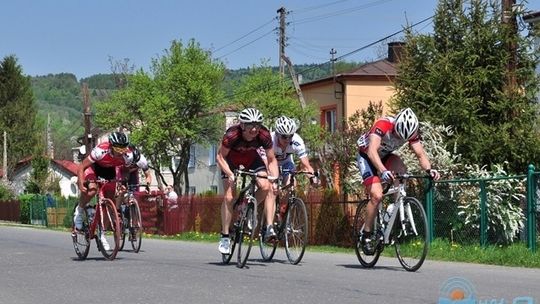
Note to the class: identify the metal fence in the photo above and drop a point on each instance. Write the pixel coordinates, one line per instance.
(483, 211)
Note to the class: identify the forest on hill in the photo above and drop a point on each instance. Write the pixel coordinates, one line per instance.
(59, 98)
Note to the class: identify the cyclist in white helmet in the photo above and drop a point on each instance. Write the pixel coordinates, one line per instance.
(239, 147)
(286, 143)
(376, 161)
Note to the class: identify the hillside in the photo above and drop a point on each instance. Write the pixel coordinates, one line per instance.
(60, 97)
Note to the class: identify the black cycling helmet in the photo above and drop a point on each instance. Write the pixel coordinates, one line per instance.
(118, 139)
(136, 153)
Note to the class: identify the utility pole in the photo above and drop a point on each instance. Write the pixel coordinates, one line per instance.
(4, 166)
(282, 12)
(295, 82)
(333, 60)
(87, 123)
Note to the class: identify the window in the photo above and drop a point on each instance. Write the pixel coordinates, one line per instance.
(214, 189)
(212, 155)
(329, 120)
(191, 163)
(192, 190)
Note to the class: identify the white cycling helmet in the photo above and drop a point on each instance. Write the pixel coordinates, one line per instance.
(406, 124)
(250, 115)
(285, 126)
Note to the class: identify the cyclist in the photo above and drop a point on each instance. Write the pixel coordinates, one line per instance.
(239, 148)
(130, 173)
(286, 143)
(101, 162)
(375, 158)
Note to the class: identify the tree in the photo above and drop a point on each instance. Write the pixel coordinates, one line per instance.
(170, 109)
(457, 77)
(17, 112)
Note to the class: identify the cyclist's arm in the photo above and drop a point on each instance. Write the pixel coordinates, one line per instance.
(373, 152)
(272, 163)
(148, 177)
(420, 153)
(306, 166)
(80, 173)
(222, 162)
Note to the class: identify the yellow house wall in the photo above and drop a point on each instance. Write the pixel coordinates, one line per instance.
(360, 93)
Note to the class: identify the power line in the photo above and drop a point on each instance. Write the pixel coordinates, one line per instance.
(241, 47)
(340, 12)
(345, 55)
(245, 35)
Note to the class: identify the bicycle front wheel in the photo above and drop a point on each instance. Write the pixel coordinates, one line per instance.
(411, 241)
(81, 240)
(296, 231)
(135, 226)
(366, 260)
(245, 235)
(108, 229)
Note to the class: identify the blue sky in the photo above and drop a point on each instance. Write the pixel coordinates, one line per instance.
(80, 36)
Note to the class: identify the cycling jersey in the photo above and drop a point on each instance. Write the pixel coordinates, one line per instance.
(102, 156)
(242, 152)
(296, 146)
(390, 142)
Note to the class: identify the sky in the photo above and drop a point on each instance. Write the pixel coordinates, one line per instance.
(82, 37)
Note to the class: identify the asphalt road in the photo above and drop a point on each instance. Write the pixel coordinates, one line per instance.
(40, 266)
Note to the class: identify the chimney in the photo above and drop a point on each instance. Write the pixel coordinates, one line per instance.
(395, 51)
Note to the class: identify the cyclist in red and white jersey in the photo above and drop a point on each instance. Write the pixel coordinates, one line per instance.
(375, 158)
(239, 148)
(102, 162)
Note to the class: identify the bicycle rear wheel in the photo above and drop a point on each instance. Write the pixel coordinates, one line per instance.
(81, 241)
(268, 249)
(296, 230)
(411, 241)
(108, 229)
(246, 233)
(365, 260)
(135, 226)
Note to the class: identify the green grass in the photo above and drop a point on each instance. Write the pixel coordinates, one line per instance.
(517, 255)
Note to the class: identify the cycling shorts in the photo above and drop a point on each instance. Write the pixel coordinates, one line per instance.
(367, 169)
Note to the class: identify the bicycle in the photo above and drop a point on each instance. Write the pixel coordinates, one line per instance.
(131, 220)
(290, 222)
(403, 225)
(244, 215)
(103, 218)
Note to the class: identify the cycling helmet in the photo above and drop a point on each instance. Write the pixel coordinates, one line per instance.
(406, 124)
(136, 153)
(250, 115)
(285, 126)
(118, 139)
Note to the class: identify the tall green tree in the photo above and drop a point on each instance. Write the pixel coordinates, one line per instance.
(17, 112)
(171, 108)
(458, 77)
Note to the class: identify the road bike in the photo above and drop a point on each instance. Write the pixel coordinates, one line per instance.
(290, 221)
(130, 219)
(402, 224)
(100, 222)
(244, 218)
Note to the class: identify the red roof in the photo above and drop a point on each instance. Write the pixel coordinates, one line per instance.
(67, 165)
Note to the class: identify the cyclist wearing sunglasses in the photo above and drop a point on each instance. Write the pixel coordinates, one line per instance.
(239, 148)
(101, 162)
(376, 160)
(286, 143)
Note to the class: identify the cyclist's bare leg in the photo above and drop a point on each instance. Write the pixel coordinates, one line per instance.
(226, 206)
(375, 191)
(265, 194)
(86, 197)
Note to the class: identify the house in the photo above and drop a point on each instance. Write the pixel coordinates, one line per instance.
(60, 170)
(340, 96)
(533, 19)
